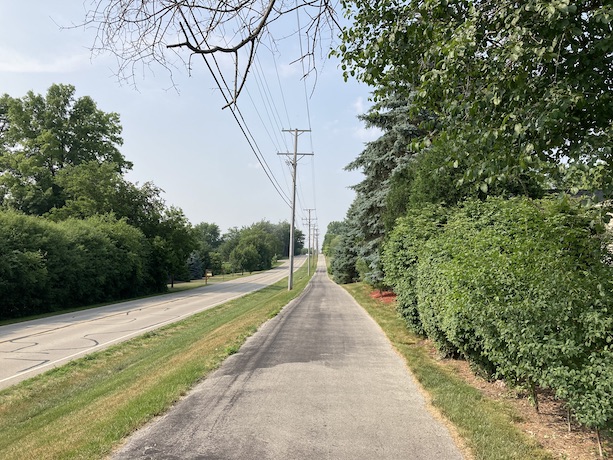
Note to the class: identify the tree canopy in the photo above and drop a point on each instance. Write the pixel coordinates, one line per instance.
(42, 136)
(467, 218)
(516, 88)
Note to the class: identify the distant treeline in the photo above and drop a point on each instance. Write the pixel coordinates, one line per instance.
(74, 231)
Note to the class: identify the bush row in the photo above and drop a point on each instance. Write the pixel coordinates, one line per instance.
(521, 288)
(47, 266)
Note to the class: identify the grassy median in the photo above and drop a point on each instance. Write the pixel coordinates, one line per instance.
(85, 408)
(485, 426)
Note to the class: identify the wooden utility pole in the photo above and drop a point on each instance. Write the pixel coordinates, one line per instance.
(297, 132)
(309, 244)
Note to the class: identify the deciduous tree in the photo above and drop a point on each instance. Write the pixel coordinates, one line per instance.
(519, 89)
(42, 136)
(143, 32)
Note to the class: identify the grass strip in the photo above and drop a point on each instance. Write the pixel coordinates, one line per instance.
(486, 426)
(85, 408)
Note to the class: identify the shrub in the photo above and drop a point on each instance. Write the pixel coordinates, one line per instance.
(401, 255)
(48, 266)
(521, 288)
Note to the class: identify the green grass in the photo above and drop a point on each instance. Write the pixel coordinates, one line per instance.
(486, 426)
(85, 408)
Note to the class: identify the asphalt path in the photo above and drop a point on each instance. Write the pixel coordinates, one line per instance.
(318, 381)
(32, 347)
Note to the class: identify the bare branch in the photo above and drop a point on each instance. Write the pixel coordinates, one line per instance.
(145, 32)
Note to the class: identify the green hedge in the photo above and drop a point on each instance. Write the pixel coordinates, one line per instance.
(521, 288)
(47, 266)
(401, 254)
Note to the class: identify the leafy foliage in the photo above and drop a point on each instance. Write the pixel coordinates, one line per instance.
(517, 89)
(506, 99)
(344, 253)
(245, 257)
(49, 266)
(41, 136)
(270, 242)
(332, 231)
(364, 224)
(521, 288)
(401, 257)
(59, 159)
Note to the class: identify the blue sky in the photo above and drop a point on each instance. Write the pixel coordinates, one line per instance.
(181, 139)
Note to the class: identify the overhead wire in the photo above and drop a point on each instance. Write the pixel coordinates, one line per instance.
(269, 101)
(273, 137)
(283, 162)
(268, 107)
(234, 109)
(279, 82)
(268, 93)
(272, 113)
(307, 105)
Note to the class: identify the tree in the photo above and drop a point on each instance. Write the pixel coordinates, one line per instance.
(208, 238)
(47, 266)
(245, 257)
(343, 266)
(261, 236)
(517, 88)
(378, 162)
(195, 267)
(174, 242)
(332, 231)
(42, 136)
(143, 32)
(208, 235)
(229, 241)
(90, 188)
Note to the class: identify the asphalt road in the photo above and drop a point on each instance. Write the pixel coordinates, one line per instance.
(32, 347)
(319, 381)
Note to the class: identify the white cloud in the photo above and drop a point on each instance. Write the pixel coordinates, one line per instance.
(358, 106)
(14, 62)
(366, 134)
(289, 70)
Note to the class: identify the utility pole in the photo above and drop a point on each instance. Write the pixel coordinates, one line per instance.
(297, 132)
(309, 245)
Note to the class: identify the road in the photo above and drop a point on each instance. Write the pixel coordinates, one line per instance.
(319, 381)
(32, 347)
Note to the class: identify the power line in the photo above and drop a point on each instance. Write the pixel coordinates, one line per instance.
(306, 99)
(296, 132)
(279, 82)
(244, 129)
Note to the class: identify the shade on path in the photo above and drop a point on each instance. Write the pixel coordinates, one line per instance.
(319, 381)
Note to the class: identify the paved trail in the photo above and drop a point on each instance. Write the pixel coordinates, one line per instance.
(319, 381)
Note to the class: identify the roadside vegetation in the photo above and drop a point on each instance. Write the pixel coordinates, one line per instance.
(485, 201)
(74, 231)
(178, 287)
(85, 408)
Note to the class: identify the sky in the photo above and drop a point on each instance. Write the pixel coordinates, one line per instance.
(179, 137)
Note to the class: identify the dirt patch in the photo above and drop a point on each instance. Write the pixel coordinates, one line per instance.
(383, 296)
(549, 426)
